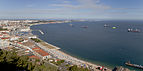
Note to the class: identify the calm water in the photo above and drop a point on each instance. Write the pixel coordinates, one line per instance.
(105, 46)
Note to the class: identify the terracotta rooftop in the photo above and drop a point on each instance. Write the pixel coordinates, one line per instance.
(40, 51)
(33, 56)
(5, 38)
(4, 33)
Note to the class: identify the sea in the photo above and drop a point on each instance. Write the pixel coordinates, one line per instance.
(91, 41)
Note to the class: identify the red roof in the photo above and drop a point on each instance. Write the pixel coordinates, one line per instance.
(33, 56)
(5, 38)
(36, 48)
(19, 42)
(40, 51)
(4, 33)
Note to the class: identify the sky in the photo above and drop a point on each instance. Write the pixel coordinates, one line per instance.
(72, 9)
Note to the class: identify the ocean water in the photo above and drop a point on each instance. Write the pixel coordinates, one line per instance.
(98, 44)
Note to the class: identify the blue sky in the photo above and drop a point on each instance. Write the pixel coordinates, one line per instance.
(72, 9)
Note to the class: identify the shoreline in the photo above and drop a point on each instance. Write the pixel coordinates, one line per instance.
(75, 60)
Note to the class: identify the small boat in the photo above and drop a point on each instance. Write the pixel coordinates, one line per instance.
(71, 25)
(105, 25)
(84, 26)
(114, 27)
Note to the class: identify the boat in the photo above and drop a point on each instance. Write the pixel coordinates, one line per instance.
(105, 25)
(84, 26)
(131, 30)
(114, 27)
(71, 25)
(134, 65)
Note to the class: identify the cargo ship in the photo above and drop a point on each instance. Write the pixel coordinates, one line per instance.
(131, 30)
(84, 26)
(134, 65)
(105, 25)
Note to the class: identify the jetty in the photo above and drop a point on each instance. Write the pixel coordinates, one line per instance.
(41, 32)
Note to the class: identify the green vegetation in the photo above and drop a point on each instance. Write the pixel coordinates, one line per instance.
(20, 39)
(60, 62)
(10, 61)
(1, 29)
(36, 40)
(75, 68)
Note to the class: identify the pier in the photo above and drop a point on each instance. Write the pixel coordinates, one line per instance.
(41, 32)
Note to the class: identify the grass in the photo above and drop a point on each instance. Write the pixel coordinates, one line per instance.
(36, 40)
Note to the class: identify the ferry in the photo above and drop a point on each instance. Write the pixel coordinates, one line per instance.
(131, 30)
(134, 65)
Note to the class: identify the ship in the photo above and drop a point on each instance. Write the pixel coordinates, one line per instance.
(134, 65)
(105, 25)
(131, 30)
(84, 26)
(71, 25)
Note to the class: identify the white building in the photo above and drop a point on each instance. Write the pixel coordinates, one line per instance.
(25, 29)
(14, 38)
(3, 44)
(32, 36)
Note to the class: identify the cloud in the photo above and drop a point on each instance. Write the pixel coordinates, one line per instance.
(83, 4)
(72, 8)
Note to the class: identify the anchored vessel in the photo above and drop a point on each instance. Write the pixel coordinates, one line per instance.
(84, 26)
(105, 25)
(134, 65)
(71, 25)
(131, 30)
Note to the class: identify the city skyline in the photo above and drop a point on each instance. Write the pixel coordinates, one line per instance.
(71, 9)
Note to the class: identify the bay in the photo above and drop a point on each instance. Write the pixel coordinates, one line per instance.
(96, 43)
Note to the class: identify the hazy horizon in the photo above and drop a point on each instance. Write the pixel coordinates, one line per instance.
(72, 9)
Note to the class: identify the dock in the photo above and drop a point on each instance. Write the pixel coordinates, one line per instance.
(41, 32)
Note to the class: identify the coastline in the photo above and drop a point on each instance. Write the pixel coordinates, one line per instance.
(74, 60)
